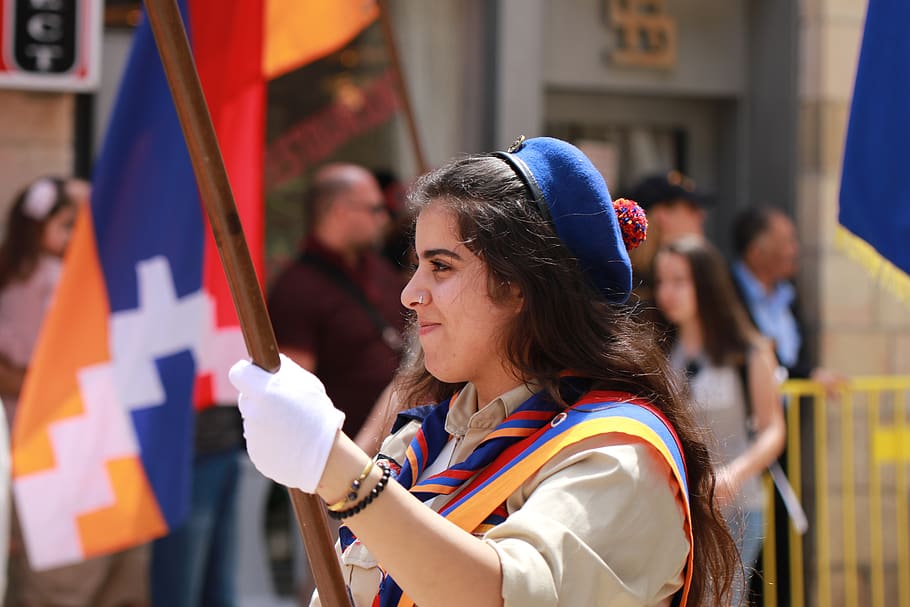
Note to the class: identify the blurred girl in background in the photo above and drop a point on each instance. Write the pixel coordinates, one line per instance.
(38, 229)
(730, 369)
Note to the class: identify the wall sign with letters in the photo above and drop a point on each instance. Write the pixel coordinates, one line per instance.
(643, 34)
(50, 44)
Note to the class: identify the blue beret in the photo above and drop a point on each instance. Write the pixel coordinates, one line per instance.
(572, 194)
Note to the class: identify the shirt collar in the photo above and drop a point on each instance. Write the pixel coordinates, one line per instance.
(464, 412)
(783, 292)
(315, 246)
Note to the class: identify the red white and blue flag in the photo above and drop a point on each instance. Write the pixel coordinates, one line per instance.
(142, 325)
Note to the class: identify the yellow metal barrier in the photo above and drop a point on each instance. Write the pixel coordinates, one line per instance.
(857, 550)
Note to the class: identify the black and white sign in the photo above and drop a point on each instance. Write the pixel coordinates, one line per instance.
(50, 44)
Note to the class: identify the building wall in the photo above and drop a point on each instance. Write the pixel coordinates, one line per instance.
(520, 47)
(861, 329)
(444, 56)
(561, 46)
(36, 138)
(711, 50)
(734, 74)
(789, 66)
(857, 327)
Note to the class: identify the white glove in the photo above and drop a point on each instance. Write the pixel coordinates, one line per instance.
(289, 422)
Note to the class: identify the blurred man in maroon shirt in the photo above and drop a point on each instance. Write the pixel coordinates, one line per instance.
(336, 310)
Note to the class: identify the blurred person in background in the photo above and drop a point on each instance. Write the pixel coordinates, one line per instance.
(674, 208)
(767, 260)
(195, 563)
(398, 244)
(730, 369)
(336, 309)
(38, 230)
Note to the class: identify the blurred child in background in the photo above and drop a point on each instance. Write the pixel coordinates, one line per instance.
(730, 368)
(38, 229)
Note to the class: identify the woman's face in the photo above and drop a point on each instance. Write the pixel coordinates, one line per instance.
(58, 229)
(674, 288)
(460, 327)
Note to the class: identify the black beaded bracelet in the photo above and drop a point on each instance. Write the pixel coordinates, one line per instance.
(355, 489)
(359, 506)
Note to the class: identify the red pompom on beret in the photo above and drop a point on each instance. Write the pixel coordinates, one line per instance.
(632, 222)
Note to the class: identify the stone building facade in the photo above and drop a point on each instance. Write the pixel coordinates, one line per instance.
(36, 138)
(481, 73)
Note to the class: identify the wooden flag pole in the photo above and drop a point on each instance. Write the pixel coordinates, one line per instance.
(389, 35)
(208, 165)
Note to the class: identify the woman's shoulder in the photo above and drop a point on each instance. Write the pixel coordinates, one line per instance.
(630, 455)
(45, 275)
(636, 441)
(46, 270)
(396, 444)
(617, 496)
(33, 292)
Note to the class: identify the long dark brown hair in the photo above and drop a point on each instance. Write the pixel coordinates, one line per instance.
(727, 332)
(21, 248)
(566, 324)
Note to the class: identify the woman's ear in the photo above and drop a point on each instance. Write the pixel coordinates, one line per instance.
(515, 295)
(506, 293)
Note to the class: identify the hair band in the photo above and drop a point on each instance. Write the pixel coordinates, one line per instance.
(39, 199)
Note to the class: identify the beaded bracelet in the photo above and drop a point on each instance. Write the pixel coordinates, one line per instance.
(375, 491)
(355, 488)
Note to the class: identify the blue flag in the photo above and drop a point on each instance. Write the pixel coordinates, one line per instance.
(875, 188)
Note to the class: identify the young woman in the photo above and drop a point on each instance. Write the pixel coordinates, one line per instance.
(560, 466)
(731, 376)
(38, 229)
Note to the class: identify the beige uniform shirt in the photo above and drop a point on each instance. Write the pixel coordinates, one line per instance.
(600, 524)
